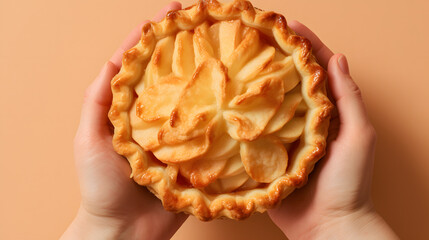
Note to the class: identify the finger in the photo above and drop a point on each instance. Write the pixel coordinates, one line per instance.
(320, 50)
(135, 34)
(170, 7)
(346, 93)
(129, 42)
(98, 98)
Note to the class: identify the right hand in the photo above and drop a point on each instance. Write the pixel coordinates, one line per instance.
(337, 198)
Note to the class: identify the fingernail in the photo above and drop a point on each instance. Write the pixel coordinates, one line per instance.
(344, 66)
(117, 56)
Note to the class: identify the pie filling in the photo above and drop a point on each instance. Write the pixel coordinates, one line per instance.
(220, 104)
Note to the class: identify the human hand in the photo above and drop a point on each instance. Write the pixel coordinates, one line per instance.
(336, 202)
(113, 206)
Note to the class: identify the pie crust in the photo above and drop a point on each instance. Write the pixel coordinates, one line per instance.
(220, 109)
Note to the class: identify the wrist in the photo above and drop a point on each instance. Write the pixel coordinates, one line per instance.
(89, 226)
(364, 223)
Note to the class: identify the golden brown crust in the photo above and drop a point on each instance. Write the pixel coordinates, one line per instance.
(236, 205)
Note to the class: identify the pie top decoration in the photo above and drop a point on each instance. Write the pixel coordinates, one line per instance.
(220, 109)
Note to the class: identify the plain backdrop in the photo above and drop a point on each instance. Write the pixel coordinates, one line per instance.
(51, 50)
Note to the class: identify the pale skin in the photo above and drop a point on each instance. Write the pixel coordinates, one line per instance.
(335, 204)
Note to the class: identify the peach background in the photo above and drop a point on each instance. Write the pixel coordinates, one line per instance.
(51, 50)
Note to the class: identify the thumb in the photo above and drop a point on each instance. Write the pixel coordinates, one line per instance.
(346, 93)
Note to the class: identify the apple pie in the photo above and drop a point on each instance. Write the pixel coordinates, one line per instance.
(220, 109)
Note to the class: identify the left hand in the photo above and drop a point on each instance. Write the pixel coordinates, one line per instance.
(113, 206)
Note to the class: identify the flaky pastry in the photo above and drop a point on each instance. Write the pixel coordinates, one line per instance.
(220, 109)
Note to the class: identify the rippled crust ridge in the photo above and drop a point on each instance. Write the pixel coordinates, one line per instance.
(160, 179)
